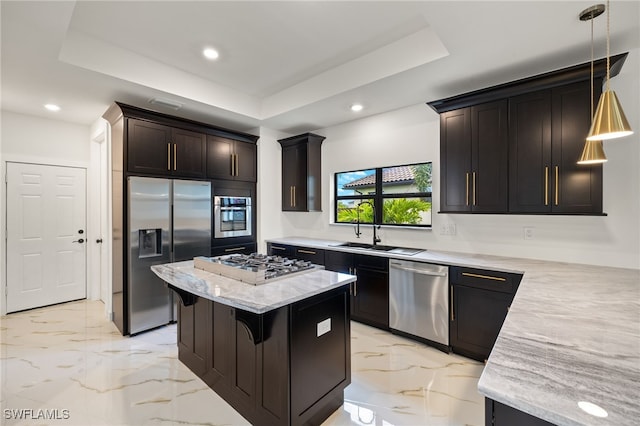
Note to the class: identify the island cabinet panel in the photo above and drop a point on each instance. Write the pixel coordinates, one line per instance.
(320, 354)
(263, 364)
(474, 155)
(231, 160)
(157, 149)
(194, 335)
(480, 301)
(497, 414)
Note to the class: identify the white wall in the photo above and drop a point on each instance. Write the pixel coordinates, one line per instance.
(38, 140)
(411, 135)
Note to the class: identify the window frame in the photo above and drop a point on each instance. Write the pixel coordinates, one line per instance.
(379, 197)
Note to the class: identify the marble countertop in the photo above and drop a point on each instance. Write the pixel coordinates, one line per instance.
(253, 298)
(572, 335)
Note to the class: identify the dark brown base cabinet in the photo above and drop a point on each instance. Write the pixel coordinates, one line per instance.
(480, 301)
(497, 414)
(272, 368)
(370, 295)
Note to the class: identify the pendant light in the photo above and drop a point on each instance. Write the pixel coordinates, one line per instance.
(593, 151)
(609, 121)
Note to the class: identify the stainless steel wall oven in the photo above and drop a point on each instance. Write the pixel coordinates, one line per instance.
(232, 216)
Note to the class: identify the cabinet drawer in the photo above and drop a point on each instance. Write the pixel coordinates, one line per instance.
(312, 255)
(275, 249)
(238, 248)
(488, 280)
(371, 262)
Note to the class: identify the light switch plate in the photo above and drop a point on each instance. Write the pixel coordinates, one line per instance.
(323, 327)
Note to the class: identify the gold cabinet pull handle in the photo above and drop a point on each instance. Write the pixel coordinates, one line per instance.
(453, 316)
(232, 164)
(294, 195)
(467, 186)
(557, 176)
(277, 248)
(236, 249)
(175, 156)
(291, 196)
(546, 185)
(474, 188)
(486, 277)
(355, 288)
(306, 251)
(237, 165)
(169, 156)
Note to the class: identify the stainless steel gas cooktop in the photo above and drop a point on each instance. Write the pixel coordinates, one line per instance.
(254, 268)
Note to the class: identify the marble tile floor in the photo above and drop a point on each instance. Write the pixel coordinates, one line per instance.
(69, 363)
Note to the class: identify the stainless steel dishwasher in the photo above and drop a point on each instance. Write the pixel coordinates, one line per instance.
(419, 301)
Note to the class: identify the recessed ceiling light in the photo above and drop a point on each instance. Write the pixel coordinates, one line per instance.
(52, 107)
(210, 53)
(356, 107)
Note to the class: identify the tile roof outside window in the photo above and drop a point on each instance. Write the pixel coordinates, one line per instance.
(389, 174)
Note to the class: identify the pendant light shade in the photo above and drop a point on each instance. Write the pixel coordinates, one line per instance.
(593, 153)
(609, 121)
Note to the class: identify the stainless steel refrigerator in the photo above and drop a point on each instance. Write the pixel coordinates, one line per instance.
(169, 221)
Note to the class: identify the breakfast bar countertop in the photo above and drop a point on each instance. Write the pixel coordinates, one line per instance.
(252, 298)
(572, 336)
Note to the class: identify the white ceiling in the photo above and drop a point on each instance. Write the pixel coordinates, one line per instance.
(294, 66)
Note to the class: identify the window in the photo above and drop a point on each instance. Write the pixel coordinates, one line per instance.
(398, 195)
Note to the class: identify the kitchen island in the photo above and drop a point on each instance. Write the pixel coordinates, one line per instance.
(278, 353)
(571, 339)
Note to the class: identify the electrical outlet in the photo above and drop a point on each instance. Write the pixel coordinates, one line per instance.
(528, 233)
(448, 229)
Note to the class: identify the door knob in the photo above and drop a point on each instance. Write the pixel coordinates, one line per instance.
(80, 231)
(99, 241)
(81, 240)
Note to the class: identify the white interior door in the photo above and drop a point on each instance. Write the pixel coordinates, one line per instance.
(46, 235)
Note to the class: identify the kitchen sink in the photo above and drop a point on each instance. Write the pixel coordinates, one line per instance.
(379, 247)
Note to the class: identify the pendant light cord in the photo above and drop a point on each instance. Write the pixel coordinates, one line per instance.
(608, 37)
(592, 18)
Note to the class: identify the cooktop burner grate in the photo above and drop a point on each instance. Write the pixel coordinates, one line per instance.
(254, 268)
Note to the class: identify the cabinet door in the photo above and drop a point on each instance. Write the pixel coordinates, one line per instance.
(371, 294)
(476, 320)
(189, 156)
(246, 161)
(576, 188)
(455, 160)
(294, 188)
(530, 153)
(148, 148)
(489, 158)
(219, 157)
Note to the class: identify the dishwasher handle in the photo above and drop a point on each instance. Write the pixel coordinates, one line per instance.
(417, 271)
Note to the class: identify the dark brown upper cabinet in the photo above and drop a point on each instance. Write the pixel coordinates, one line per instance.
(150, 143)
(513, 148)
(163, 150)
(473, 158)
(547, 132)
(230, 159)
(301, 180)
